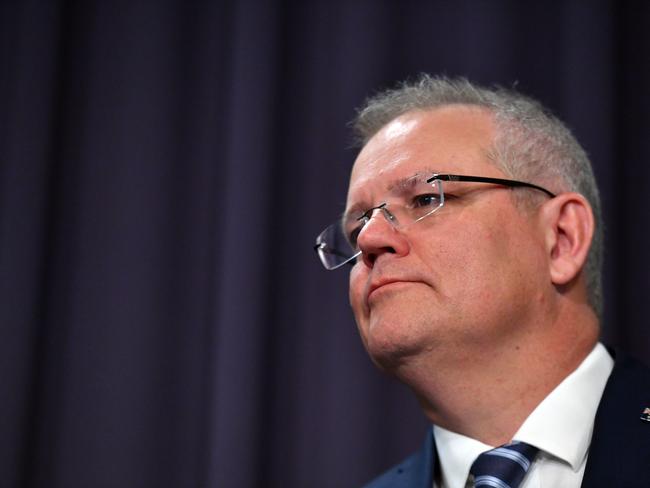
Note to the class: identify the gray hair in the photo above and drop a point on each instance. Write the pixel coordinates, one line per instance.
(531, 144)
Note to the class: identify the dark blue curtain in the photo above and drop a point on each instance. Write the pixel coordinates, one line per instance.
(164, 169)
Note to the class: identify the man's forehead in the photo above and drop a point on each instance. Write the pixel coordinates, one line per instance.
(399, 127)
(455, 117)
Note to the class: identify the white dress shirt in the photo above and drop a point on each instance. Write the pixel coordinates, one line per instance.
(560, 426)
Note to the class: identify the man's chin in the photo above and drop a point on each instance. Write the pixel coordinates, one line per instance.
(392, 351)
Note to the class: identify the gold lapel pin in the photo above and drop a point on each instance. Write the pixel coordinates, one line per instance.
(645, 416)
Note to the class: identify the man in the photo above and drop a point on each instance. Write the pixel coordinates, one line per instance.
(473, 229)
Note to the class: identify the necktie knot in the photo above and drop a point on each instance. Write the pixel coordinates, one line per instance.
(503, 467)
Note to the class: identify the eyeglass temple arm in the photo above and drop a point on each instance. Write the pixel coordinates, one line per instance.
(324, 248)
(483, 179)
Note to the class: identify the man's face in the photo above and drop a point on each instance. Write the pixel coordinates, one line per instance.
(462, 280)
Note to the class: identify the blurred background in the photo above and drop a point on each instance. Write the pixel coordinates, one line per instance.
(164, 169)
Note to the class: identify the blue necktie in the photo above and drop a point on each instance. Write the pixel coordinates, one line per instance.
(503, 467)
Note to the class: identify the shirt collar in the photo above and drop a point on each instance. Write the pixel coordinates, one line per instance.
(456, 453)
(561, 424)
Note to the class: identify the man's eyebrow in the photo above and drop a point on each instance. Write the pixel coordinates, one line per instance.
(401, 184)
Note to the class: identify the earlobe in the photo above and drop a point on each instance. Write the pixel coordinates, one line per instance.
(569, 230)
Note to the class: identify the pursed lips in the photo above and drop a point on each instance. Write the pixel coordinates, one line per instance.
(375, 285)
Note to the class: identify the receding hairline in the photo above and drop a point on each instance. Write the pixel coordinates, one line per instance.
(425, 93)
(366, 133)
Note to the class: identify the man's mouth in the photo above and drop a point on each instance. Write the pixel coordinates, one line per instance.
(379, 286)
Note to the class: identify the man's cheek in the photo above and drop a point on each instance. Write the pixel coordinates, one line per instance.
(358, 279)
(355, 284)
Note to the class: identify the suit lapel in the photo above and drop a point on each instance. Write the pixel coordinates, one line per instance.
(417, 471)
(620, 446)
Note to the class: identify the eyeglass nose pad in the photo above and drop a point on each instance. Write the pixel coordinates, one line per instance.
(388, 215)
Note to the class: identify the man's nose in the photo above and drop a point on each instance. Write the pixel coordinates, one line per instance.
(381, 235)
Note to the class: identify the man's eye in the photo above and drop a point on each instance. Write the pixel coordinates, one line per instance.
(426, 200)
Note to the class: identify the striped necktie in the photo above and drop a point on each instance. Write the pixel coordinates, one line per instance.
(503, 467)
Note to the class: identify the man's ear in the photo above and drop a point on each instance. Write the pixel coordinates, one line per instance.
(568, 227)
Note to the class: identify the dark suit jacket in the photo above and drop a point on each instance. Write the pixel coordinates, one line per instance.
(619, 454)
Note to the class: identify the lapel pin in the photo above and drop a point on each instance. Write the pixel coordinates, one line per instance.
(645, 416)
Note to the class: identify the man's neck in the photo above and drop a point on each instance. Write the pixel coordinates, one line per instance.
(487, 394)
